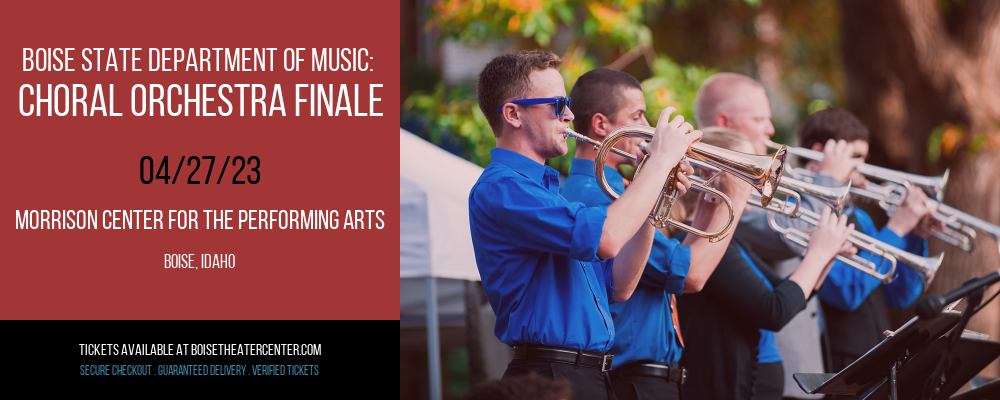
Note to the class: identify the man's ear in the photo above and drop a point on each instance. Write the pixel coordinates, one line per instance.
(817, 147)
(724, 120)
(511, 116)
(599, 124)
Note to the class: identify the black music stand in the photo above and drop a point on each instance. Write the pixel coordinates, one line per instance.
(971, 356)
(881, 361)
(988, 391)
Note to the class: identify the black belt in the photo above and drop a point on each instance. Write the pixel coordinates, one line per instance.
(670, 372)
(590, 359)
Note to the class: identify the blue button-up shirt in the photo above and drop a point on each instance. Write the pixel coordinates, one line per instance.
(846, 287)
(644, 329)
(537, 257)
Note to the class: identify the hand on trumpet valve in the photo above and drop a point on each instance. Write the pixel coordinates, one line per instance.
(848, 249)
(927, 226)
(907, 217)
(829, 237)
(839, 160)
(671, 139)
(683, 183)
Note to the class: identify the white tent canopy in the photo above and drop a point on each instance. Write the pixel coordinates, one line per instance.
(434, 237)
(434, 185)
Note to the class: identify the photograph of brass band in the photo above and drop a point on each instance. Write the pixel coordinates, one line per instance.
(708, 199)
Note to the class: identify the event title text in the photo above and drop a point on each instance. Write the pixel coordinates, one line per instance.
(352, 99)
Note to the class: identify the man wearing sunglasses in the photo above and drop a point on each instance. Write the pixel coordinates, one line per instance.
(648, 343)
(549, 266)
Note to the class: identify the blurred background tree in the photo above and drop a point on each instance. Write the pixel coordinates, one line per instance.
(587, 34)
(924, 76)
(679, 43)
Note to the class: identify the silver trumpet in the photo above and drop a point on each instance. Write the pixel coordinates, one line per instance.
(932, 184)
(960, 229)
(786, 207)
(957, 221)
(926, 267)
(835, 197)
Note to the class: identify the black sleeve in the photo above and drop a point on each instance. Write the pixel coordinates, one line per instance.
(739, 287)
(769, 273)
(758, 236)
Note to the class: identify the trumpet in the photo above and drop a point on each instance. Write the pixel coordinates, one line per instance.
(959, 221)
(789, 206)
(835, 197)
(926, 267)
(761, 172)
(932, 184)
(960, 229)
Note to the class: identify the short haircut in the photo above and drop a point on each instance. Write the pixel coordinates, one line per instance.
(507, 78)
(599, 91)
(531, 386)
(717, 94)
(723, 137)
(831, 123)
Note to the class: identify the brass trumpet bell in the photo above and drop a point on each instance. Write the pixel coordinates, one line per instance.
(761, 172)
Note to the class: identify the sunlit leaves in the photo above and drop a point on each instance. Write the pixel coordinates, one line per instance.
(470, 21)
(673, 85)
(453, 113)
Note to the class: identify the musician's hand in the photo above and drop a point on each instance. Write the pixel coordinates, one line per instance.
(858, 180)
(838, 160)
(830, 235)
(927, 227)
(847, 249)
(683, 183)
(906, 217)
(671, 139)
(826, 240)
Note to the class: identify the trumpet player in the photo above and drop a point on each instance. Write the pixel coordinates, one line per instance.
(648, 343)
(737, 102)
(854, 302)
(730, 324)
(549, 266)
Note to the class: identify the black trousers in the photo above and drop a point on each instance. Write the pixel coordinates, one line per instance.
(770, 382)
(630, 387)
(586, 382)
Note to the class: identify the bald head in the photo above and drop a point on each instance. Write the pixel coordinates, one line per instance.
(724, 91)
(737, 102)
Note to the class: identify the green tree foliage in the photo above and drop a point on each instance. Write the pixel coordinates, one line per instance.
(453, 112)
(620, 21)
(603, 28)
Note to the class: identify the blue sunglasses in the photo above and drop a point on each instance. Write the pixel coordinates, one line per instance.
(562, 103)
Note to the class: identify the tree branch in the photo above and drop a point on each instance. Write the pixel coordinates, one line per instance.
(626, 58)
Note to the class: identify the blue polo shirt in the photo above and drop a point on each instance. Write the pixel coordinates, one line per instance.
(846, 287)
(644, 329)
(537, 257)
